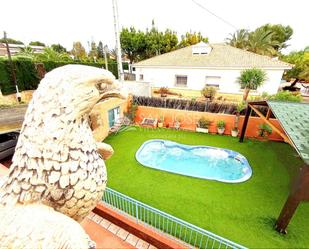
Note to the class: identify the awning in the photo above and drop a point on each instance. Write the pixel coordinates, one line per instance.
(294, 119)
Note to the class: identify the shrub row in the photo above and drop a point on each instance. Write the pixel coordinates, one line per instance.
(191, 105)
(27, 76)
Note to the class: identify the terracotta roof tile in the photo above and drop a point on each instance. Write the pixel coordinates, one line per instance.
(221, 55)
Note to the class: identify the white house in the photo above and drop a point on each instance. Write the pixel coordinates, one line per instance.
(203, 64)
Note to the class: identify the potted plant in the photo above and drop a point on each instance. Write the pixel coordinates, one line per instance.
(221, 126)
(235, 132)
(161, 121)
(264, 131)
(209, 92)
(202, 125)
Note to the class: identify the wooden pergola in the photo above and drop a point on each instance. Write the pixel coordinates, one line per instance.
(294, 119)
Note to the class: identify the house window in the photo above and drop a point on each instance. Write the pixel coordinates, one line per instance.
(141, 77)
(213, 81)
(181, 80)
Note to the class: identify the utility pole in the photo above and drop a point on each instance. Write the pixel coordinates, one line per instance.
(18, 96)
(117, 36)
(105, 50)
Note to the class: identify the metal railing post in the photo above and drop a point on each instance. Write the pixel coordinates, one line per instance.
(136, 212)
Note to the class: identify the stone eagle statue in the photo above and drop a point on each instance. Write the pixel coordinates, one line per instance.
(57, 170)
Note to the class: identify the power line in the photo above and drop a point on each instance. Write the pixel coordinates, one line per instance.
(212, 13)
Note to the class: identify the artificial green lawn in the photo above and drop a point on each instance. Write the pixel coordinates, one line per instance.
(243, 212)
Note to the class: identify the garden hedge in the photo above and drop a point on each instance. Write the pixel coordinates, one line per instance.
(26, 74)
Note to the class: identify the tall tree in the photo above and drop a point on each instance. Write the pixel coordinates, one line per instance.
(58, 48)
(51, 55)
(261, 42)
(100, 50)
(154, 42)
(170, 41)
(268, 39)
(26, 51)
(132, 43)
(280, 35)
(78, 51)
(93, 53)
(37, 43)
(300, 60)
(251, 79)
(191, 38)
(239, 39)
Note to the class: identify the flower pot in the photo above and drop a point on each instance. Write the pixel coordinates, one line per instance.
(234, 133)
(203, 130)
(160, 125)
(221, 130)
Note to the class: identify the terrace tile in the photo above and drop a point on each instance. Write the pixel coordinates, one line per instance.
(131, 239)
(113, 228)
(141, 244)
(123, 234)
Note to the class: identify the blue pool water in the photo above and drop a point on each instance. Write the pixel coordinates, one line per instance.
(197, 161)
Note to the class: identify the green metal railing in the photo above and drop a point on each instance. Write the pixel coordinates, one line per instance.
(166, 223)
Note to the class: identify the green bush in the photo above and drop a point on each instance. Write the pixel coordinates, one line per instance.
(204, 123)
(286, 96)
(221, 124)
(209, 92)
(26, 74)
(264, 130)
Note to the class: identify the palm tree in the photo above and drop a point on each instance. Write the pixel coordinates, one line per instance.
(239, 39)
(251, 79)
(26, 52)
(260, 41)
(52, 55)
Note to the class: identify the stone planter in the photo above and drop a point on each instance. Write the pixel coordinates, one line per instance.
(203, 130)
(221, 130)
(160, 125)
(234, 133)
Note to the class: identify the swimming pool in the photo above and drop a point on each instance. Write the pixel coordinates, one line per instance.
(196, 161)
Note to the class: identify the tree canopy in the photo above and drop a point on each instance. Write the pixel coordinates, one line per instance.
(133, 43)
(58, 48)
(138, 45)
(268, 39)
(78, 51)
(11, 41)
(251, 79)
(37, 43)
(300, 60)
(191, 38)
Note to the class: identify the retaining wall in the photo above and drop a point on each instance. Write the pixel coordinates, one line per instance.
(189, 120)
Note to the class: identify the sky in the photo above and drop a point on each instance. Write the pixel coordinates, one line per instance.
(66, 21)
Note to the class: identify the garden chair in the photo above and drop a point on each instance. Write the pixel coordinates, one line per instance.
(124, 121)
